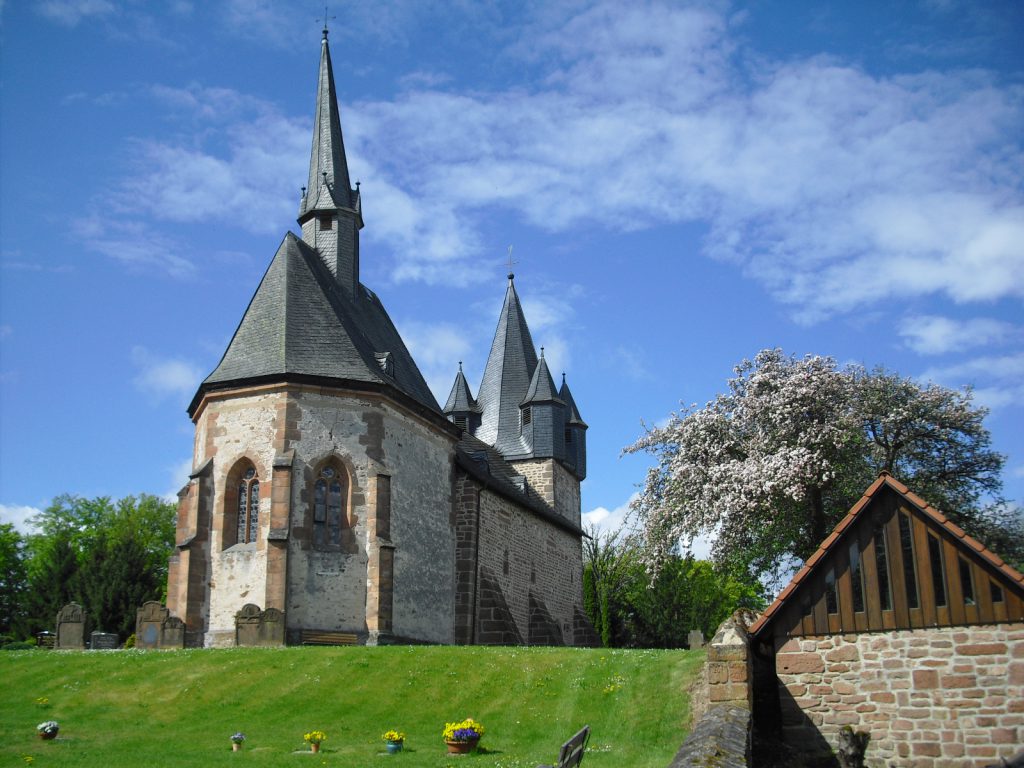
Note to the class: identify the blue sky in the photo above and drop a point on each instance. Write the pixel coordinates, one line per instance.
(683, 185)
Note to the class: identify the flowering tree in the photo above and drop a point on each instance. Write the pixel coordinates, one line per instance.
(771, 466)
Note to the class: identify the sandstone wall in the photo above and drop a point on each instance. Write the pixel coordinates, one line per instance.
(555, 484)
(929, 698)
(288, 433)
(519, 554)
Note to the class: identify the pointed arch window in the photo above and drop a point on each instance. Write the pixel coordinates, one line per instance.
(248, 507)
(330, 507)
(241, 506)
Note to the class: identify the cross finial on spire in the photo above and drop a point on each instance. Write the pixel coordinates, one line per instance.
(542, 351)
(326, 17)
(511, 262)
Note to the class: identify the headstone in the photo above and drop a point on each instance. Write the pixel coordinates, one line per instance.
(173, 633)
(103, 641)
(272, 627)
(45, 640)
(695, 640)
(149, 625)
(71, 627)
(247, 625)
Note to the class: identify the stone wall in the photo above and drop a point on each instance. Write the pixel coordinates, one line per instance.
(929, 698)
(390, 577)
(513, 568)
(555, 484)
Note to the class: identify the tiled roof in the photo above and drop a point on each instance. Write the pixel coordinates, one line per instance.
(328, 151)
(885, 480)
(507, 375)
(301, 322)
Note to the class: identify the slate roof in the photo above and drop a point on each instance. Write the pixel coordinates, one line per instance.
(542, 388)
(885, 480)
(301, 324)
(507, 376)
(574, 413)
(460, 400)
(488, 466)
(328, 150)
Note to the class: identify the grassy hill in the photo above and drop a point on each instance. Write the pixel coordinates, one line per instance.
(131, 708)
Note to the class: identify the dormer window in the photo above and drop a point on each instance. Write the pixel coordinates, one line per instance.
(326, 222)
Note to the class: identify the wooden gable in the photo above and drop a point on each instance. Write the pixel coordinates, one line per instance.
(894, 562)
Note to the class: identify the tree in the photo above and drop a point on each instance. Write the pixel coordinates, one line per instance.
(109, 557)
(629, 608)
(13, 581)
(771, 466)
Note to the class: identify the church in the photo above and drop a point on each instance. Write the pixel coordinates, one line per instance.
(332, 496)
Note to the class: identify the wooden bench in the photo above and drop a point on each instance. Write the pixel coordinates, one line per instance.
(318, 637)
(571, 754)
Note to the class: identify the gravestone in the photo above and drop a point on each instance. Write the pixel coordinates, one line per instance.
(247, 625)
(156, 628)
(45, 639)
(149, 624)
(103, 641)
(695, 640)
(272, 627)
(71, 627)
(254, 627)
(173, 634)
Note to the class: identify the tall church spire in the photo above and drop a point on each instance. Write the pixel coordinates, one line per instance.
(507, 376)
(330, 211)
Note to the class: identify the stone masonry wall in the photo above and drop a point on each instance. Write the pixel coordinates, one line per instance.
(934, 698)
(528, 555)
(555, 484)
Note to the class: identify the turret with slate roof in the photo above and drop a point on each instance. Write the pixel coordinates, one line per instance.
(507, 376)
(575, 433)
(461, 408)
(542, 414)
(330, 212)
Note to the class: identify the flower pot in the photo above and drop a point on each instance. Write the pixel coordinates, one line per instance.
(462, 747)
(394, 747)
(314, 748)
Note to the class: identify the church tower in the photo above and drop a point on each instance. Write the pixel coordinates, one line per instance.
(330, 212)
(519, 412)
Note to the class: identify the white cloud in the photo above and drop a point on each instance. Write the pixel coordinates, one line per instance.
(437, 349)
(998, 380)
(609, 520)
(133, 244)
(69, 12)
(164, 376)
(18, 516)
(836, 188)
(935, 335)
(179, 477)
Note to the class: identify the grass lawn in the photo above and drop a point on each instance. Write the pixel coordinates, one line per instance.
(136, 708)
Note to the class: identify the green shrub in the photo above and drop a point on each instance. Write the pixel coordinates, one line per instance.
(18, 645)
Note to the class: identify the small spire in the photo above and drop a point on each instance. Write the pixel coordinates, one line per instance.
(460, 366)
(542, 352)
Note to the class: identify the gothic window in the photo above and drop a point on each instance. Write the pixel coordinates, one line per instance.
(856, 578)
(882, 568)
(966, 582)
(907, 547)
(242, 506)
(330, 502)
(831, 597)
